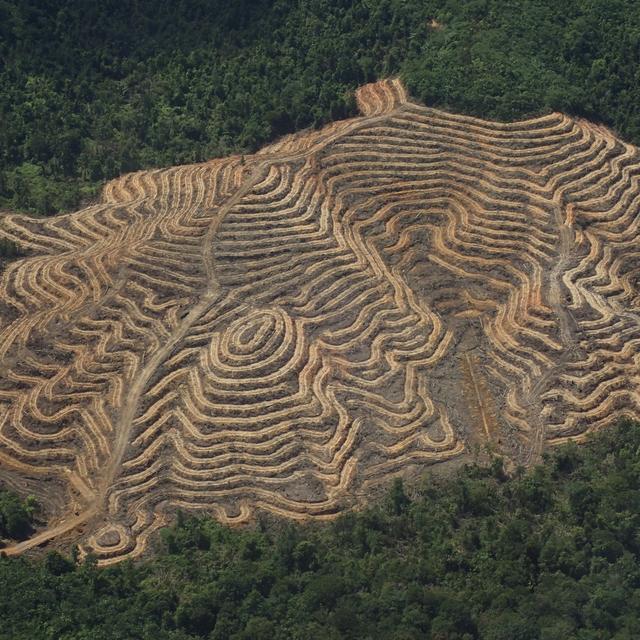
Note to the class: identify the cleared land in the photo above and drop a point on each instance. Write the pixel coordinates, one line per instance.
(279, 332)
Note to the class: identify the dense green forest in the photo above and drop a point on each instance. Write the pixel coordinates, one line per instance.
(549, 554)
(90, 90)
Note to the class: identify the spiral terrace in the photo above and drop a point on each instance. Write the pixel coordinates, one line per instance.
(280, 331)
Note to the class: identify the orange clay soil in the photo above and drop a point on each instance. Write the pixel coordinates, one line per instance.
(281, 332)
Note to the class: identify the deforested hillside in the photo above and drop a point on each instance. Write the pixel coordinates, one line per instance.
(282, 331)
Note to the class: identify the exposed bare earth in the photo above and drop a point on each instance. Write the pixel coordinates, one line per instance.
(281, 332)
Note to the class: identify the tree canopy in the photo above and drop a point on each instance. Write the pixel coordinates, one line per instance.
(92, 90)
(17, 516)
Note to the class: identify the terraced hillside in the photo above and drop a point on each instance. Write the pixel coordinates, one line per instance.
(281, 331)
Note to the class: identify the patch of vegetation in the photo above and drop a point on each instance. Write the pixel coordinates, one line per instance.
(552, 553)
(9, 250)
(17, 517)
(92, 90)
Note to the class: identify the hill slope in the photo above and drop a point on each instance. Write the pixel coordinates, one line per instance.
(281, 331)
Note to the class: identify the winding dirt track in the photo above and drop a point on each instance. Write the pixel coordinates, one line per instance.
(282, 331)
